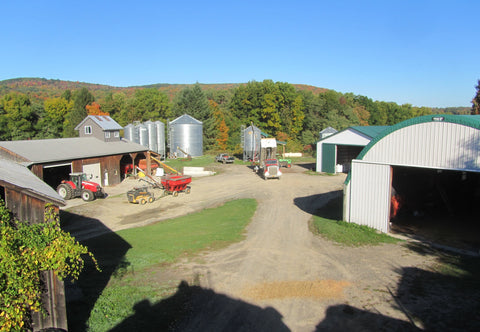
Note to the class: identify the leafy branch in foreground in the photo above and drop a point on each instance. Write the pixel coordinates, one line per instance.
(25, 251)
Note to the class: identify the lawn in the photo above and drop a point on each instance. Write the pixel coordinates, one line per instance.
(327, 224)
(135, 262)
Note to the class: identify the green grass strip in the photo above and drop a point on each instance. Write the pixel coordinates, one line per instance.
(349, 234)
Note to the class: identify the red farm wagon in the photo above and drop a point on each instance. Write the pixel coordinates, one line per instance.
(173, 184)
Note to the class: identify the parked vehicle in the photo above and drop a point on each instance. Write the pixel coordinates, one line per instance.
(142, 164)
(140, 195)
(224, 158)
(78, 186)
(271, 169)
(285, 163)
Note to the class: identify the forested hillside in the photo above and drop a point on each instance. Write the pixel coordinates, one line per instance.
(33, 108)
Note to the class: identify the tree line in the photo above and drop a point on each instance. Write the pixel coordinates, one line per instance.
(277, 108)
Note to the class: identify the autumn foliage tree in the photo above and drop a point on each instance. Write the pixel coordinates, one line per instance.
(94, 109)
(476, 101)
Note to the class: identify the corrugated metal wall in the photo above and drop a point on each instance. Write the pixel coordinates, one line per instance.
(369, 195)
(432, 144)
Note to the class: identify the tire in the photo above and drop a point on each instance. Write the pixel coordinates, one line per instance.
(87, 195)
(151, 199)
(143, 201)
(175, 193)
(223, 161)
(64, 191)
(187, 191)
(165, 192)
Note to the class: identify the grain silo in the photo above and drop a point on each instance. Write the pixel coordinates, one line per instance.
(142, 134)
(152, 135)
(130, 133)
(251, 143)
(185, 137)
(160, 128)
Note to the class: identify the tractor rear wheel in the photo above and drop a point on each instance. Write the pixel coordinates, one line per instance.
(64, 191)
(87, 195)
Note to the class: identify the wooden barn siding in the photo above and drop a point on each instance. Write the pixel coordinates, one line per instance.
(24, 207)
(109, 163)
(32, 210)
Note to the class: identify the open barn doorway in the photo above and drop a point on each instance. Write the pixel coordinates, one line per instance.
(54, 174)
(438, 205)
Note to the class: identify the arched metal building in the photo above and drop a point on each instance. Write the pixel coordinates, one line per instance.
(425, 169)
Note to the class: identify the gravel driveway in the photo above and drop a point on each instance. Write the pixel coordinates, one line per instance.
(281, 277)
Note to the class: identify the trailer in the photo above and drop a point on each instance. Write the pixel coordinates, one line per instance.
(173, 184)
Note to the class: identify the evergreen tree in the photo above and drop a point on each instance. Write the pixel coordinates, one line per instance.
(192, 101)
(81, 99)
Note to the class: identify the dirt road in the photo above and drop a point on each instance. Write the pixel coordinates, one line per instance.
(280, 277)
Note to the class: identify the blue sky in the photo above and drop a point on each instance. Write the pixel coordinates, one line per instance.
(424, 53)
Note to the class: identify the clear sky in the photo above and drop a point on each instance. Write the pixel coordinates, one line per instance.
(420, 52)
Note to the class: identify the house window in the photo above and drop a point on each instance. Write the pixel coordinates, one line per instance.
(116, 134)
(107, 134)
(88, 130)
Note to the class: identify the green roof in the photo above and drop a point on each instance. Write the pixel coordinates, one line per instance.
(370, 131)
(466, 120)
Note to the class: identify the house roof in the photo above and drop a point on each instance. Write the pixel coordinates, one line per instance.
(28, 183)
(104, 121)
(64, 149)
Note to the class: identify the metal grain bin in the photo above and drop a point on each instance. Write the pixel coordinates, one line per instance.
(251, 145)
(152, 135)
(130, 133)
(185, 135)
(142, 135)
(160, 127)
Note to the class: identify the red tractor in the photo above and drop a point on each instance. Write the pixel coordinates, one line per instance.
(78, 186)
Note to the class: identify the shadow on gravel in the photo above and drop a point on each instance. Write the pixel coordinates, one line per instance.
(193, 308)
(307, 166)
(347, 318)
(109, 250)
(326, 205)
(444, 298)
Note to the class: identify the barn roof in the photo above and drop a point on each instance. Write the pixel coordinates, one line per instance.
(370, 131)
(472, 121)
(62, 149)
(104, 121)
(22, 178)
(466, 120)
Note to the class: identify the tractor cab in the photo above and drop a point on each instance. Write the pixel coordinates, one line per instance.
(78, 178)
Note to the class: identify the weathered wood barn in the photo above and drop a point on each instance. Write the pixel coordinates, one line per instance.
(423, 170)
(336, 150)
(26, 196)
(99, 152)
